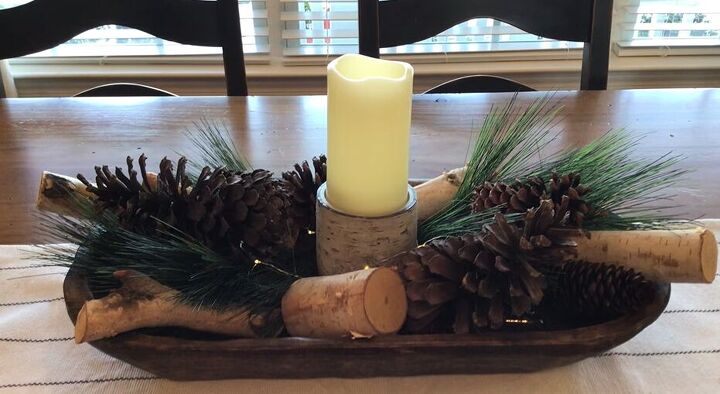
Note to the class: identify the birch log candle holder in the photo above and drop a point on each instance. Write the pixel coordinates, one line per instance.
(347, 242)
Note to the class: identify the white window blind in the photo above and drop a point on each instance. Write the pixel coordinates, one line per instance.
(331, 28)
(113, 40)
(667, 25)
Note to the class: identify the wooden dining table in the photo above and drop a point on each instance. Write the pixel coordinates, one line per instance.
(72, 135)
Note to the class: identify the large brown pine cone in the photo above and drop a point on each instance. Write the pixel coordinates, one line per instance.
(242, 211)
(471, 282)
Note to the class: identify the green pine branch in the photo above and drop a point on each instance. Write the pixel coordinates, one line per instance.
(203, 277)
(214, 148)
(504, 145)
(627, 191)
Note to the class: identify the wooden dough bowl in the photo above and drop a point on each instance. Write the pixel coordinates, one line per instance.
(183, 355)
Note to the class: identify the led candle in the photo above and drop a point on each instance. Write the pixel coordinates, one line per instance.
(369, 105)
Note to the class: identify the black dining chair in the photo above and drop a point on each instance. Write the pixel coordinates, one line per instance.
(43, 24)
(391, 23)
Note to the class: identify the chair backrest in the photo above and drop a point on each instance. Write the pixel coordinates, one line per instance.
(124, 90)
(43, 24)
(391, 23)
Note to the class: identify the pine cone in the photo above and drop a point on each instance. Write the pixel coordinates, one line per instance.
(432, 281)
(569, 186)
(239, 211)
(134, 203)
(595, 292)
(519, 197)
(565, 191)
(304, 185)
(480, 278)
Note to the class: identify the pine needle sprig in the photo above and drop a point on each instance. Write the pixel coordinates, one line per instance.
(627, 191)
(449, 224)
(507, 140)
(202, 276)
(214, 148)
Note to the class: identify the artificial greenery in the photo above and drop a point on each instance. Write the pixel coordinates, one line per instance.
(214, 148)
(203, 277)
(503, 147)
(513, 144)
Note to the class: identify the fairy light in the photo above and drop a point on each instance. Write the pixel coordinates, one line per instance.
(311, 232)
(257, 262)
(517, 321)
(366, 267)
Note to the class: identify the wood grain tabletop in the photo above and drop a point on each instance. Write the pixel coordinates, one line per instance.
(71, 135)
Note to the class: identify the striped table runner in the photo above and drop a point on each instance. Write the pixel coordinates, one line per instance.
(678, 353)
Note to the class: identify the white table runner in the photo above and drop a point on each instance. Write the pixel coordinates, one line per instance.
(678, 353)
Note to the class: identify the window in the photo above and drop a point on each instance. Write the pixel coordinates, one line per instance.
(113, 40)
(667, 23)
(299, 32)
(331, 28)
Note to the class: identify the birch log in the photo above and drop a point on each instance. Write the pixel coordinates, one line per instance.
(57, 193)
(685, 255)
(142, 302)
(363, 303)
(437, 193)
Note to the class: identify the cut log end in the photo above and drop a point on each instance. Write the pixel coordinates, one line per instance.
(384, 299)
(708, 255)
(81, 325)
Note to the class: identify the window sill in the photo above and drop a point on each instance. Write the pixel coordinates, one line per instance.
(203, 75)
(623, 50)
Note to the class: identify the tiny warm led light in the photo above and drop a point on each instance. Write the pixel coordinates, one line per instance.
(366, 267)
(520, 321)
(310, 232)
(257, 262)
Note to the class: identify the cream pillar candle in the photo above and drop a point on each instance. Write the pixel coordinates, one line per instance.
(369, 105)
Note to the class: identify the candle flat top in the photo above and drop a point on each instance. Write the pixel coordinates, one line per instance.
(358, 68)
